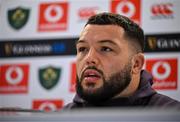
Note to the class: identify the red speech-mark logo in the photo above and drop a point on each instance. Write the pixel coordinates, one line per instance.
(129, 8)
(48, 105)
(14, 78)
(53, 16)
(73, 78)
(164, 72)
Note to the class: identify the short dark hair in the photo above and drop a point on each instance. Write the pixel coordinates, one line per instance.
(132, 30)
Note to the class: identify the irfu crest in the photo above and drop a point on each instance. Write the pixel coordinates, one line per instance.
(49, 76)
(18, 17)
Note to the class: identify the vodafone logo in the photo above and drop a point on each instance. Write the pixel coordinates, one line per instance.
(48, 104)
(73, 78)
(14, 78)
(53, 13)
(161, 70)
(126, 8)
(164, 72)
(53, 16)
(129, 8)
(14, 75)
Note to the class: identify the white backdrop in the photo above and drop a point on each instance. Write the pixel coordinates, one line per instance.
(64, 19)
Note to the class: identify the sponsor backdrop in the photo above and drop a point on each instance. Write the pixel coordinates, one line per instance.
(37, 50)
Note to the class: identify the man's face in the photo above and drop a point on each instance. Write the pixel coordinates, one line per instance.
(103, 62)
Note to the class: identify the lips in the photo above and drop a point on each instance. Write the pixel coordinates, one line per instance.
(91, 75)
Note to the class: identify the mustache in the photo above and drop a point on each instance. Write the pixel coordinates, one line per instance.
(94, 68)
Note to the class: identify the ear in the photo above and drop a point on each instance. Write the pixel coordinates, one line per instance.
(137, 63)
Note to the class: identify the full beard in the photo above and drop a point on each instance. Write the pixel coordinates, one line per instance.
(111, 87)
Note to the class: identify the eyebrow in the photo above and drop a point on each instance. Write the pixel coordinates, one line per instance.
(79, 41)
(101, 41)
(107, 41)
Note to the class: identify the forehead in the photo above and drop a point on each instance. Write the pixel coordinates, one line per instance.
(101, 32)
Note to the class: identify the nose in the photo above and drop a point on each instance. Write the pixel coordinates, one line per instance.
(92, 57)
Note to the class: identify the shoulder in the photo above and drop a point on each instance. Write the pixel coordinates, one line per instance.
(163, 101)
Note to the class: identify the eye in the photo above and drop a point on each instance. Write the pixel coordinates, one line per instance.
(82, 49)
(106, 49)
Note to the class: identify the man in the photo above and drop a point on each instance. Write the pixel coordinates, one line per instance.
(109, 66)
